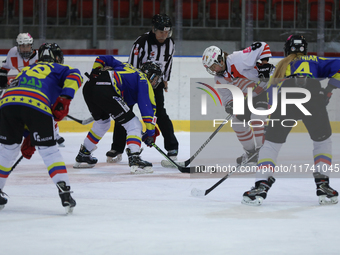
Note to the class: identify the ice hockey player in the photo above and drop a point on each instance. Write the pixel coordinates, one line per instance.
(296, 70)
(242, 70)
(112, 88)
(27, 104)
(17, 58)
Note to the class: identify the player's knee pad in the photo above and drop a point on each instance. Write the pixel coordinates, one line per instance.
(133, 127)
(126, 117)
(326, 134)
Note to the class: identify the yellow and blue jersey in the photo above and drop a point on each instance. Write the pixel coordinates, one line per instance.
(312, 66)
(316, 67)
(40, 84)
(133, 86)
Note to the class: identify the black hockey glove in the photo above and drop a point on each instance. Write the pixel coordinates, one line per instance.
(3, 78)
(149, 140)
(229, 108)
(264, 71)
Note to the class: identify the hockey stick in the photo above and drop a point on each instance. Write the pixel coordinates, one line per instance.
(200, 193)
(16, 163)
(83, 122)
(180, 168)
(187, 162)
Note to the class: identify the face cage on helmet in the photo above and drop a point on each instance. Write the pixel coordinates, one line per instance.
(25, 54)
(60, 59)
(220, 58)
(154, 78)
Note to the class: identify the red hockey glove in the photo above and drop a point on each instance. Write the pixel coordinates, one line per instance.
(60, 108)
(149, 140)
(327, 95)
(27, 149)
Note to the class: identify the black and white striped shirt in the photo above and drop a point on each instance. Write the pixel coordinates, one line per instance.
(147, 48)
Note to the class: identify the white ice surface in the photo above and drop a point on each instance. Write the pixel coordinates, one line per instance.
(120, 213)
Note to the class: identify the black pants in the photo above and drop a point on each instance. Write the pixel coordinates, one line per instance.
(104, 102)
(317, 123)
(163, 121)
(14, 119)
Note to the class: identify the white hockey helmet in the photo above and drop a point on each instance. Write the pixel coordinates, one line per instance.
(212, 55)
(22, 39)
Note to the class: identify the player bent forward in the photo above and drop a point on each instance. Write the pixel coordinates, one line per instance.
(298, 69)
(109, 80)
(28, 104)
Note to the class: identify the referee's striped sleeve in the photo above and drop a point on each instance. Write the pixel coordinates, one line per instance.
(168, 65)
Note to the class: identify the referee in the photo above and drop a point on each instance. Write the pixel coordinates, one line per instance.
(158, 46)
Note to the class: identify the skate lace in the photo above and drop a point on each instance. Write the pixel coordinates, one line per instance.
(326, 189)
(260, 188)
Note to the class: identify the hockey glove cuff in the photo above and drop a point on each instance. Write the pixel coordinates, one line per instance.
(264, 71)
(27, 149)
(60, 108)
(149, 140)
(327, 95)
(328, 92)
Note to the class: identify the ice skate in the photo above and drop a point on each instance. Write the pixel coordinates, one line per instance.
(251, 155)
(60, 141)
(3, 200)
(173, 155)
(326, 194)
(137, 165)
(113, 156)
(84, 159)
(65, 195)
(257, 194)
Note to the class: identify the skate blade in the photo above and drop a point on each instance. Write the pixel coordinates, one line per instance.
(2, 207)
(61, 145)
(197, 192)
(256, 202)
(83, 165)
(116, 159)
(168, 164)
(323, 200)
(145, 170)
(68, 210)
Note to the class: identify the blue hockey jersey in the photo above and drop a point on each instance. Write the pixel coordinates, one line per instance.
(40, 84)
(133, 86)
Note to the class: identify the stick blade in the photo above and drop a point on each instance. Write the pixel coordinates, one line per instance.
(87, 121)
(197, 192)
(168, 164)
